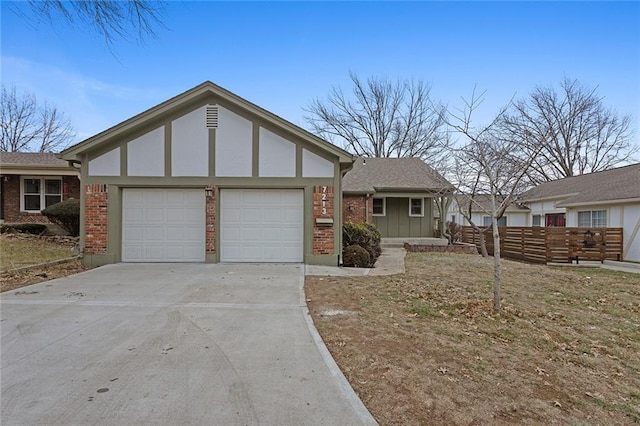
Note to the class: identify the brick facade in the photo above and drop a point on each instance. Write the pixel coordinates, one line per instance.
(96, 203)
(323, 208)
(357, 208)
(211, 219)
(11, 198)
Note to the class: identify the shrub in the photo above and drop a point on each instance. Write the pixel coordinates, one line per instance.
(66, 214)
(355, 255)
(24, 228)
(455, 230)
(365, 235)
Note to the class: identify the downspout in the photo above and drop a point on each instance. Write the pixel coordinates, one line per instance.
(366, 209)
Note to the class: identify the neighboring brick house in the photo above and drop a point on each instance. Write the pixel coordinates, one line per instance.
(395, 194)
(30, 182)
(208, 177)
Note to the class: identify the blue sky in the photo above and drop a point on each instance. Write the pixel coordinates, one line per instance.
(282, 55)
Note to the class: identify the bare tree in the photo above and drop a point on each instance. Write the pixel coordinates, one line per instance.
(110, 18)
(469, 182)
(498, 164)
(572, 130)
(381, 118)
(27, 126)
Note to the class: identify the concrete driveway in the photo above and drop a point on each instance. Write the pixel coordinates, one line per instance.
(169, 344)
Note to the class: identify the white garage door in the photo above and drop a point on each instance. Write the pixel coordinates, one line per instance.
(261, 225)
(163, 225)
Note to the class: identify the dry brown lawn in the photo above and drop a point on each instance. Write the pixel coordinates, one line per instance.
(20, 250)
(424, 347)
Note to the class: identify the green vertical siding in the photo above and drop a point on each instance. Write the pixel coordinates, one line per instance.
(397, 223)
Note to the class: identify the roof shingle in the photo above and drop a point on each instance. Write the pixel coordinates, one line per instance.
(608, 185)
(31, 159)
(370, 175)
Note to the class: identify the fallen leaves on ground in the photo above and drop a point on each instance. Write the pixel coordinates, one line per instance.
(425, 347)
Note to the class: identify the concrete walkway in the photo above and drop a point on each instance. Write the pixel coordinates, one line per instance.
(390, 262)
(630, 267)
(169, 344)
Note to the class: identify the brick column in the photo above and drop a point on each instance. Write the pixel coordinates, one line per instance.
(323, 208)
(211, 219)
(95, 218)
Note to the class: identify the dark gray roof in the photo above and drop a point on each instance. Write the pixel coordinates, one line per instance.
(614, 184)
(31, 159)
(370, 175)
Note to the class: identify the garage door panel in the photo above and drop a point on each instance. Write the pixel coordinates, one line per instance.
(174, 214)
(132, 252)
(288, 234)
(251, 233)
(251, 214)
(155, 198)
(272, 198)
(153, 252)
(190, 233)
(192, 216)
(271, 234)
(232, 234)
(153, 235)
(272, 215)
(261, 225)
(251, 253)
(135, 214)
(178, 234)
(163, 225)
(252, 197)
(154, 215)
(133, 233)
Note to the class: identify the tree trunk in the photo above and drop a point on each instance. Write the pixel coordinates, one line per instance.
(483, 242)
(483, 245)
(497, 268)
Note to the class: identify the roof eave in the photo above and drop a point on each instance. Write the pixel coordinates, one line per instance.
(411, 189)
(15, 169)
(72, 153)
(600, 202)
(550, 198)
(358, 192)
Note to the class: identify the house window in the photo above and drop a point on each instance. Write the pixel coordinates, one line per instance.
(453, 218)
(379, 206)
(486, 221)
(38, 193)
(555, 220)
(594, 218)
(536, 220)
(416, 207)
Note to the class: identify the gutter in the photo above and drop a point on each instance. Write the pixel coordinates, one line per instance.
(599, 203)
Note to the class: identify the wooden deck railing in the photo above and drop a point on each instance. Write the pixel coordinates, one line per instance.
(544, 245)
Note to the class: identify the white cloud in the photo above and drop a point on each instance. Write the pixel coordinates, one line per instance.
(91, 104)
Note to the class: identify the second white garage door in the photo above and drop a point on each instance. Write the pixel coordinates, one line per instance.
(261, 225)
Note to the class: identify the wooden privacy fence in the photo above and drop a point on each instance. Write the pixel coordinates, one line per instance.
(543, 245)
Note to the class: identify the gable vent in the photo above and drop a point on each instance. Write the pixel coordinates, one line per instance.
(212, 116)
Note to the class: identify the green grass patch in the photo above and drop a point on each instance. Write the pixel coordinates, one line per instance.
(19, 252)
(424, 310)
